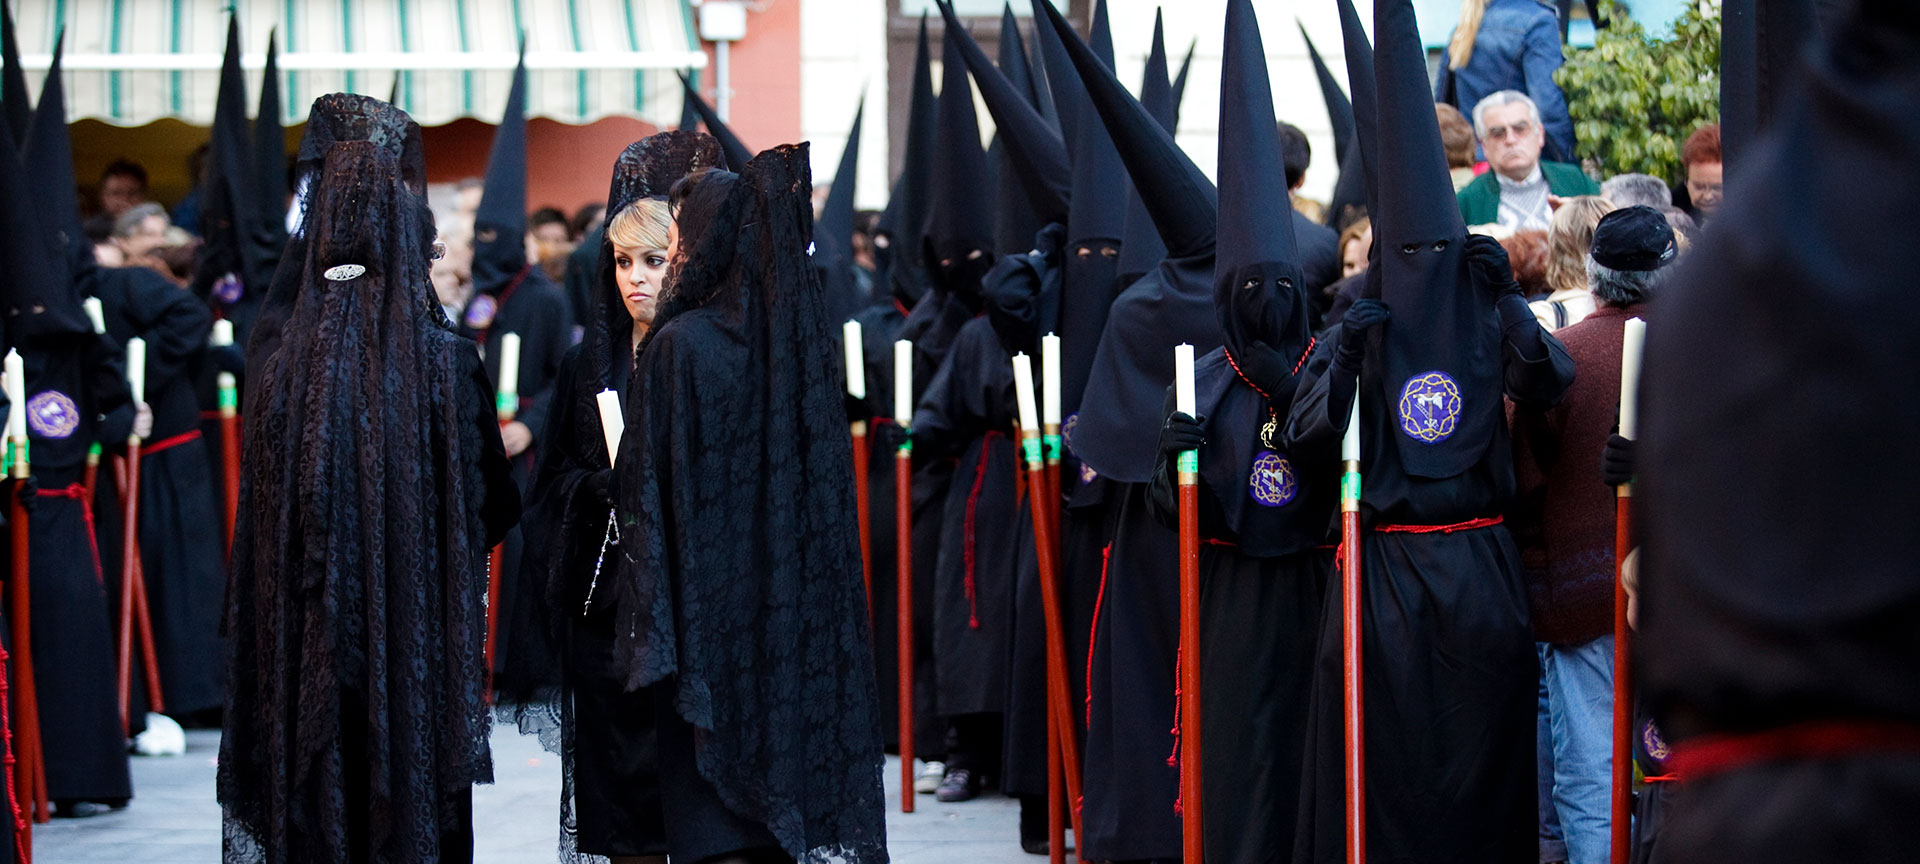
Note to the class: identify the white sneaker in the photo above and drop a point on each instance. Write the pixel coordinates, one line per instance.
(928, 780)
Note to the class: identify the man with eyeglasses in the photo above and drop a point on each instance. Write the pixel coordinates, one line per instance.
(1518, 191)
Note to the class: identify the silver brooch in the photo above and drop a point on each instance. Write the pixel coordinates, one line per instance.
(345, 272)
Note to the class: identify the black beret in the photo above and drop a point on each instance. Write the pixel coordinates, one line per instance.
(1634, 238)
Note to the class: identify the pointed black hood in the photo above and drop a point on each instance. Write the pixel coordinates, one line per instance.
(833, 233)
(1180, 80)
(1440, 338)
(1339, 107)
(1140, 246)
(1760, 46)
(738, 153)
(1116, 428)
(1366, 115)
(1035, 152)
(689, 114)
(49, 162)
(958, 248)
(40, 302)
(236, 263)
(904, 223)
(270, 149)
(500, 222)
(13, 81)
(1097, 199)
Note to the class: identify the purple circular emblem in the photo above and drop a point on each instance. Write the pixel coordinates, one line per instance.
(1271, 482)
(1654, 744)
(53, 414)
(228, 289)
(480, 311)
(1087, 474)
(1430, 407)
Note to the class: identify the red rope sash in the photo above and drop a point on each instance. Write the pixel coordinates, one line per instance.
(1093, 632)
(1708, 755)
(170, 443)
(6, 741)
(967, 524)
(1469, 525)
(78, 492)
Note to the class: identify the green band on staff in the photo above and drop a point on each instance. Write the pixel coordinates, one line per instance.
(1032, 448)
(1350, 487)
(228, 398)
(93, 449)
(506, 403)
(1053, 447)
(1189, 461)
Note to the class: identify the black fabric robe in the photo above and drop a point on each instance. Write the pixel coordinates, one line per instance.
(181, 544)
(1451, 671)
(71, 381)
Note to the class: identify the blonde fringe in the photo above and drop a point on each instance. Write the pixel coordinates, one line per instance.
(1460, 48)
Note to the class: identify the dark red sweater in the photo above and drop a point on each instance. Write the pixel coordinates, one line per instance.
(1570, 509)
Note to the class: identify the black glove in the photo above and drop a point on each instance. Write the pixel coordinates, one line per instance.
(599, 487)
(889, 435)
(1616, 462)
(857, 409)
(1182, 433)
(1362, 316)
(1269, 370)
(1492, 272)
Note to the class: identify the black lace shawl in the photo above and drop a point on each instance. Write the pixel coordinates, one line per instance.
(740, 582)
(372, 484)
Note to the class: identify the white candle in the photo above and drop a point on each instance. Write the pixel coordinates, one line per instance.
(17, 395)
(856, 360)
(99, 319)
(1183, 400)
(612, 421)
(1023, 392)
(1350, 443)
(1632, 340)
(510, 364)
(226, 381)
(903, 383)
(1050, 380)
(222, 332)
(137, 368)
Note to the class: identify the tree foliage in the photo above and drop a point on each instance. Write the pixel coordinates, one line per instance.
(1635, 98)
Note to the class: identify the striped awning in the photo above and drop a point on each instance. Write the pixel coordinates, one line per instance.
(130, 62)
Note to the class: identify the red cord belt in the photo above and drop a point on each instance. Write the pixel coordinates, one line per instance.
(1708, 755)
(170, 443)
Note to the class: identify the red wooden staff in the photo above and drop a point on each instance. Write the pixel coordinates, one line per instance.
(903, 558)
(139, 625)
(229, 433)
(857, 389)
(1353, 685)
(1191, 840)
(1631, 340)
(29, 767)
(1063, 751)
(132, 575)
(506, 406)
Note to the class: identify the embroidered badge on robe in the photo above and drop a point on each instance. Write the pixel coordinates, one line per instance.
(480, 311)
(228, 289)
(53, 414)
(1430, 407)
(1272, 482)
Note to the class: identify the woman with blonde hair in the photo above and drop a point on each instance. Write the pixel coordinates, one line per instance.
(1508, 45)
(1569, 237)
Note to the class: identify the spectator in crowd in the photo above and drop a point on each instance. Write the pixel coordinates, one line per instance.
(1700, 158)
(1319, 246)
(1684, 228)
(186, 214)
(1507, 45)
(1516, 193)
(865, 224)
(99, 231)
(1563, 494)
(1456, 137)
(549, 241)
(139, 230)
(123, 185)
(1355, 242)
(466, 197)
(1568, 241)
(1637, 190)
(586, 221)
(1527, 252)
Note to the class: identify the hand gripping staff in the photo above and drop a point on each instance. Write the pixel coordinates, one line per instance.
(1352, 684)
(133, 577)
(850, 338)
(229, 433)
(1189, 666)
(903, 557)
(1632, 339)
(1063, 749)
(506, 404)
(29, 769)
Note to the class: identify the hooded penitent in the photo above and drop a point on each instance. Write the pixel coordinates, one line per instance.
(500, 222)
(896, 245)
(958, 247)
(1366, 113)
(1140, 246)
(1035, 153)
(1735, 641)
(739, 586)
(13, 81)
(1760, 46)
(1438, 360)
(237, 261)
(1348, 191)
(833, 236)
(270, 155)
(370, 492)
(737, 151)
(48, 156)
(1173, 304)
(1015, 218)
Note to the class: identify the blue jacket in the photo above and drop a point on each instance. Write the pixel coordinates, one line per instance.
(1518, 48)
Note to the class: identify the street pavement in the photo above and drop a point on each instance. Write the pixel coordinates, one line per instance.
(174, 818)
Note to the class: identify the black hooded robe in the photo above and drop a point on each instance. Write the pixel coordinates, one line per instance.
(181, 544)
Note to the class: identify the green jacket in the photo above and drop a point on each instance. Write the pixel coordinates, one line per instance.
(1480, 200)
